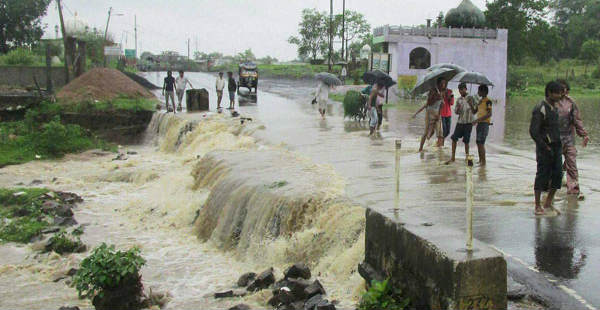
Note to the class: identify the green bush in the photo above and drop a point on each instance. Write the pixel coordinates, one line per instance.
(353, 104)
(19, 56)
(516, 81)
(596, 73)
(20, 215)
(62, 243)
(382, 296)
(107, 270)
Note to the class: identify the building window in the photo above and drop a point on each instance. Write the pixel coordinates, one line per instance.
(420, 58)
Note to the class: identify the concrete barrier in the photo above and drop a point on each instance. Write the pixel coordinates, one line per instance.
(23, 76)
(431, 265)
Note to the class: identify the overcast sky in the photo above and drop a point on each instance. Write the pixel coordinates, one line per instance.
(230, 26)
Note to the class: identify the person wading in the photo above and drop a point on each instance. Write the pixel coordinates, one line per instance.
(446, 111)
(570, 124)
(220, 85)
(322, 97)
(168, 90)
(465, 108)
(432, 116)
(181, 83)
(374, 105)
(231, 87)
(545, 131)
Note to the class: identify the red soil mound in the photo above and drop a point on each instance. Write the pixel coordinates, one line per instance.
(102, 84)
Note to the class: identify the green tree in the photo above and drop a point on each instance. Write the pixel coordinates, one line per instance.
(577, 21)
(245, 56)
(200, 55)
(267, 60)
(548, 43)
(20, 22)
(519, 17)
(313, 34)
(590, 53)
(356, 27)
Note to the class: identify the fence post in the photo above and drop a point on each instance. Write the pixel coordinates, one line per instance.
(469, 187)
(397, 197)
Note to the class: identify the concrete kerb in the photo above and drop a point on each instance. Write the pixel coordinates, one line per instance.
(431, 265)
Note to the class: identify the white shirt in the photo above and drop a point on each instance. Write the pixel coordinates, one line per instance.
(344, 71)
(181, 83)
(220, 83)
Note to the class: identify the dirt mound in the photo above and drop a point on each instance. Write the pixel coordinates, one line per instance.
(102, 84)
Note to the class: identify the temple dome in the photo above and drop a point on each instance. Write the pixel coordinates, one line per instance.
(465, 15)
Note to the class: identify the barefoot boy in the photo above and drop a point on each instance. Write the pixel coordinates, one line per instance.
(484, 118)
(465, 108)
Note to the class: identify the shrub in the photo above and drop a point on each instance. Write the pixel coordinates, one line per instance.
(382, 296)
(516, 81)
(111, 278)
(596, 73)
(55, 139)
(62, 243)
(353, 104)
(19, 56)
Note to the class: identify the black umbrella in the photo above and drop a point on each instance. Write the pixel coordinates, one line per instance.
(371, 77)
(328, 78)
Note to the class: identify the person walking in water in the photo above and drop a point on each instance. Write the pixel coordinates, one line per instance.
(465, 108)
(432, 114)
(168, 90)
(545, 131)
(181, 83)
(220, 85)
(322, 96)
(231, 87)
(570, 124)
(375, 105)
(446, 110)
(483, 121)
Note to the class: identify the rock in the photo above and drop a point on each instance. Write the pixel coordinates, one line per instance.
(240, 307)
(246, 278)
(69, 308)
(64, 221)
(314, 289)
(19, 194)
(50, 230)
(132, 153)
(64, 211)
(298, 305)
(63, 274)
(35, 182)
(49, 206)
(516, 291)
(312, 302)
(325, 305)
(70, 198)
(23, 211)
(297, 287)
(121, 156)
(274, 301)
(262, 281)
(298, 270)
(285, 296)
(224, 294)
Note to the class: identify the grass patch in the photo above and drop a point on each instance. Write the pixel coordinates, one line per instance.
(120, 104)
(42, 135)
(21, 217)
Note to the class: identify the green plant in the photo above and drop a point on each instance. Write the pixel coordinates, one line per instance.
(62, 243)
(382, 296)
(107, 269)
(19, 56)
(353, 103)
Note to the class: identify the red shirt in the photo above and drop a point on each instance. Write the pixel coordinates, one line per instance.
(446, 110)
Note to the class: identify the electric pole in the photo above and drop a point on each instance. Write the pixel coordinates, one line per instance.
(135, 30)
(107, 21)
(188, 42)
(343, 27)
(64, 34)
(330, 33)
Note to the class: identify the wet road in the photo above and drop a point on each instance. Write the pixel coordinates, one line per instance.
(563, 249)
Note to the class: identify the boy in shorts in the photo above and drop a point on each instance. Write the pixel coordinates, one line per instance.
(484, 118)
(465, 108)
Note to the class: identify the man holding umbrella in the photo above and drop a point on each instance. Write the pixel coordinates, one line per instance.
(326, 81)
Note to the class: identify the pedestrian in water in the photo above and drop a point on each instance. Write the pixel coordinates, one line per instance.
(181, 83)
(322, 96)
(220, 85)
(343, 74)
(446, 111)
(374, 105)
(465, 108)
(545, 131)
(231, 87)
(570, 124)
(168, 90)
(483, 121)
(432, 114)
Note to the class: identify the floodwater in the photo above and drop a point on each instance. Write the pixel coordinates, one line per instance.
(564, 248)
(151, 199)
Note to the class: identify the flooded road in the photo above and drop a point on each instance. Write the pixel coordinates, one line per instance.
(563, 248)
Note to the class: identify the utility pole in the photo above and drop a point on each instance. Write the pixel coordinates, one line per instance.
(343, 27)
(106, 33)
(135, 30)
(330, 34)
(64, 34)
(188, 42)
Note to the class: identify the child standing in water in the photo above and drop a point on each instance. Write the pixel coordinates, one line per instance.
(465, 108)
(484, 118)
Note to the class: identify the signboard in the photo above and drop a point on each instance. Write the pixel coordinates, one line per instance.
(381, 61)
(130, 53)
(114, 50)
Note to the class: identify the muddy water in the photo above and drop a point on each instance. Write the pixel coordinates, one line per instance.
(562, 248)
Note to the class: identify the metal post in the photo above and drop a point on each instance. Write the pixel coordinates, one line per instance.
(397, 197)
(469, 187)
(330, 33)
(106, 33)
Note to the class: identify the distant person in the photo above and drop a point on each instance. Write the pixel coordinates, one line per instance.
(545, 131)
(343, 74)
(168, 90)
(231, 87)
(483, 121)
(570, 124)
(220, 85)
(181, 83)
(465, 109)
(446, 110)
(322, 97)
(375, 106)
(432, 114)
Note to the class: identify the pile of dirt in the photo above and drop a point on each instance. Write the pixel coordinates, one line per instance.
(102, 84)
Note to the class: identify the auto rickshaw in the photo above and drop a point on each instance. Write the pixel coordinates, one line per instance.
(248, 73)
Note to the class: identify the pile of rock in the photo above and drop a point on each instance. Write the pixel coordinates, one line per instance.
(294, 292)
(59, 205)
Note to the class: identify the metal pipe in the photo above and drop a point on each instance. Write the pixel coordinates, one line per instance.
(397, 197)
(469, 187)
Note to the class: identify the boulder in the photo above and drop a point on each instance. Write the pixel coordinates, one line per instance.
(64, 211)
(246, 278)
(69, 308)
(315, 288)
(49, 206)
(262, 281)
(298, 305)
(64, 221)
(312, 302)
(297, 287)
(325, 305)
(240, 307)
(224, 294)
(298, 270)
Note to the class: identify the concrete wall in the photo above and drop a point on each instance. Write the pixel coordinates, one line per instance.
(22, 76)
(430, 264)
